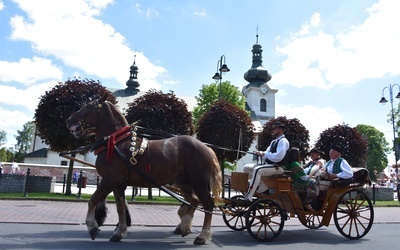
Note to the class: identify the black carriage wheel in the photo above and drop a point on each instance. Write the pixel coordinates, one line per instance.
(264, 220)
(314, 221)
(233, 215)
(354, 214)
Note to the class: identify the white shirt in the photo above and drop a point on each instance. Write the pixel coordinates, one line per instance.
(346, 173)
(283, 146)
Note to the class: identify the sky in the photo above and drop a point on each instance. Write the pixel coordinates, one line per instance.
(330, 60)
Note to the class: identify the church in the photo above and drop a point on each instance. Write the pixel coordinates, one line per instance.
(260, 101)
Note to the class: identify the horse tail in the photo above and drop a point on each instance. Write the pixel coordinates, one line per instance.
(215, 178)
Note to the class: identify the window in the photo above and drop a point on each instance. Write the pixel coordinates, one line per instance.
(263, 105)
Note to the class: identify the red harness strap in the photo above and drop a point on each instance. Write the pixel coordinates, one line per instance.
(113, 139)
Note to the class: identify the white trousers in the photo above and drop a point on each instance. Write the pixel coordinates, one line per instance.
(256, 171)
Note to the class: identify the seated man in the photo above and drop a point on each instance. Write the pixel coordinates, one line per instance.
(337, 167)
(315, 164)
(273, 155)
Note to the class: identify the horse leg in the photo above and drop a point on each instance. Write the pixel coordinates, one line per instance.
(184, 228)
(123, 215)
(101, 213)
(208, 205)
(98, 196)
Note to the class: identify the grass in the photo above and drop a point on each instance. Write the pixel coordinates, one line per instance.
(138, 199)
(84, 197)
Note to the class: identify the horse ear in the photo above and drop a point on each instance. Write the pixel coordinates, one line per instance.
(103, 98)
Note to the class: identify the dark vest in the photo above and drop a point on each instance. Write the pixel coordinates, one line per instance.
(273, 149)
(336, 165)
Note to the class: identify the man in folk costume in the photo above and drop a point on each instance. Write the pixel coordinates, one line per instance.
(337, 167)
(274, 154)
(316, 163)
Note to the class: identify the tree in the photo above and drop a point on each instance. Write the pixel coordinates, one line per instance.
(54, 108)
(24, 137)
(209, 94)
(297, 135)
(376, 151)
(3, 137)
(6, 154)
(228, 126)
(353, 144)
(161, 112)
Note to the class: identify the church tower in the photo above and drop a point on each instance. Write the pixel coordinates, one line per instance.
(260, 97)
(132, 84)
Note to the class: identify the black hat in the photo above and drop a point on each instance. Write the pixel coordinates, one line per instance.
(316, 150)
(337, 148)
(278, 124)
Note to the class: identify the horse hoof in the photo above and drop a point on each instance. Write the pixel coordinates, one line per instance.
(177, 230)
(116, 238)
(93, 232)
(186, 232)
(199, 241)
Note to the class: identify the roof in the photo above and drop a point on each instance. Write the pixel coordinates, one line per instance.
(38, 153)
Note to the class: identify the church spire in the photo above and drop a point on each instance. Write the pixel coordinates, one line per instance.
(133, 83)
(257, 74)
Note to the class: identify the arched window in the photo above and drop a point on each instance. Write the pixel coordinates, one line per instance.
(263, 105)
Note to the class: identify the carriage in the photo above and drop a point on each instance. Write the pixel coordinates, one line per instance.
(344, 200)
(155, 163)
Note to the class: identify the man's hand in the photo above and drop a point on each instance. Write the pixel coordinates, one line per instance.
(259, 153)
(331, 177)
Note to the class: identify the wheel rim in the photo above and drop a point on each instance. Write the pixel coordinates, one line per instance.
(354, 214)
(234, 216)
(264, 220)
(314, 221)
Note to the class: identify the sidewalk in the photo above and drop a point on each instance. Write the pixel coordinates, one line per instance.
(74, 213)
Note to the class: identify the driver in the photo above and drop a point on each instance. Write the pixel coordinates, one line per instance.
(274, 154)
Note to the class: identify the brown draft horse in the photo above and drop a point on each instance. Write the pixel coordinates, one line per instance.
(182, 160)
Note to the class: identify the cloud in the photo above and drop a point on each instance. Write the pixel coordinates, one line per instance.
(1, 5)
(202, 13)
(171, 82)
(10, 121)
(84, 42)
(315, 119)
(27, 98)
(29, 71)
(315, 58)
(149, 12)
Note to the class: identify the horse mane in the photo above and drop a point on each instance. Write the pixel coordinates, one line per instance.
(118, 115)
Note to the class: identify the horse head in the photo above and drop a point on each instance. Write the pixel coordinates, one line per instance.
(87, 118)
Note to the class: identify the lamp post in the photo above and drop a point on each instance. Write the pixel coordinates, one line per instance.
(383, 101)
(221, 68)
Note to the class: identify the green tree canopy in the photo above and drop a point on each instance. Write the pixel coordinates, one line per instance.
(377, 149)
(24, 137)
(161, 112)
(295, 132)
(209, 94)
(3, 137)
(6, 154)
(353, 144)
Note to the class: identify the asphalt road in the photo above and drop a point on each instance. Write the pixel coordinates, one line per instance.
(50, 236)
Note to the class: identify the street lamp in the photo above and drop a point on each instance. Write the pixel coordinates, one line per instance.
(383, 101)
(221, 68)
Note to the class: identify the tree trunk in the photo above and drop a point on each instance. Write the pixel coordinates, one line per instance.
(150, 194)
(69, 176)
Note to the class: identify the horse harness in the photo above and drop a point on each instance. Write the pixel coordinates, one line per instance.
(112, 140)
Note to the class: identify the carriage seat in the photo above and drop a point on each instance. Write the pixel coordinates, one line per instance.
(360, 177)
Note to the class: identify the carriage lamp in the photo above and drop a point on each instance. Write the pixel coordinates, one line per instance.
(383, 101)
(221, 68)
